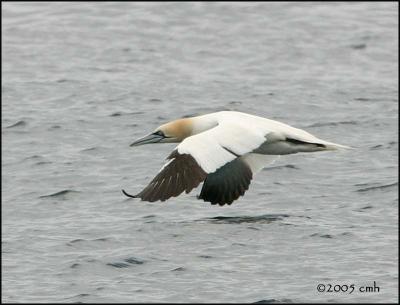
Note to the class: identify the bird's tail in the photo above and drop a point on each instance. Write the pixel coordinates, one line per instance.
(334, 146)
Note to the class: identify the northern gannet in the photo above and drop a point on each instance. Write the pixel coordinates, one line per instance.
(225, 150)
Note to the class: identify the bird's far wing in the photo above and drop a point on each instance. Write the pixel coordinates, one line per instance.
(217, 146)
(212, 151)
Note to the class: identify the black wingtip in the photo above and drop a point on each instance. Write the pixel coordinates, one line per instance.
(128, 195)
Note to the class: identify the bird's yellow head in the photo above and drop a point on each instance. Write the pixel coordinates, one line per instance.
(172, 132)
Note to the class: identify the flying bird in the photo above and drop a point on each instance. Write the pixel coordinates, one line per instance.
(224, 150)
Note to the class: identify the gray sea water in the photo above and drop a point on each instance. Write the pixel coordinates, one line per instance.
(81, 81)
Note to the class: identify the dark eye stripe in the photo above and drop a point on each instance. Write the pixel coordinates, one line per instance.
(159, 133)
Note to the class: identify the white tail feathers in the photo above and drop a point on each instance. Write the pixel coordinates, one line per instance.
(334, 146)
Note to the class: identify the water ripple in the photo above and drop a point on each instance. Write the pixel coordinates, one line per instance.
(321, 235)
(128, 262)
(18, 124)
(380, 187)
(60, 193)
(273, 301)
(323, 124)
(268, 218)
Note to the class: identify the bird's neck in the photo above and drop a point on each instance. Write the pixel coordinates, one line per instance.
(203, 123)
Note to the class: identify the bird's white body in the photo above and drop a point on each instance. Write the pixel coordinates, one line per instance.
(223, 149)
(241, 133)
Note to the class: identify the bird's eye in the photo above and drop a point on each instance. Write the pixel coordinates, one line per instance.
(159, 133)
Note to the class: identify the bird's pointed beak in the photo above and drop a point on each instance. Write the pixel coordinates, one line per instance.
(151, 138)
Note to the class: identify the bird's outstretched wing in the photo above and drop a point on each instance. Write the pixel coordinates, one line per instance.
(219, 157)
(180, 173)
